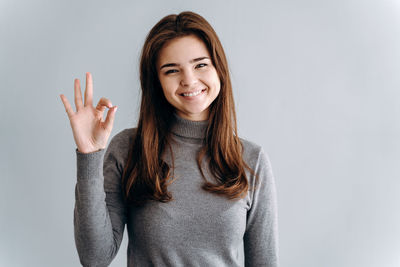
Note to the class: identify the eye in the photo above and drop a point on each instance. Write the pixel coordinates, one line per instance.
(201, 65)
(170, 71)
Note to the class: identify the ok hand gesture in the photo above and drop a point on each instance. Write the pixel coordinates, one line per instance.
(90, 131)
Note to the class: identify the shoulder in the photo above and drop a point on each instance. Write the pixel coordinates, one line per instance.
(120, 143)
(251, 150)
(255, 156)
(258, 160)
(249, 146)
(124, 135)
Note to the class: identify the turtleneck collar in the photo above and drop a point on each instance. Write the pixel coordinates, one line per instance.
(187, 128)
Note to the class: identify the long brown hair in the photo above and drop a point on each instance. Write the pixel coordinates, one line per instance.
(146, 175)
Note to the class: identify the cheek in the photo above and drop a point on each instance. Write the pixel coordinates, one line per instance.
(217, 82)
(211, 78)
(214, 76)
(167, 86)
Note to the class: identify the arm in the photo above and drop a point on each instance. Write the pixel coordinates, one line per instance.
(100, 214)
(261, 236)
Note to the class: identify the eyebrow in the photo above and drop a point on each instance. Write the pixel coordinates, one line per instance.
(175, 64)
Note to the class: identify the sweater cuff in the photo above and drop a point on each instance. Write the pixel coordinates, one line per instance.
(90, 165)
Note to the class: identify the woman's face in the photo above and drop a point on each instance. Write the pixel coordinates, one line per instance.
(188, 78)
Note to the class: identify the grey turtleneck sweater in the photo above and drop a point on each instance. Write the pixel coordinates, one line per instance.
(197, 228)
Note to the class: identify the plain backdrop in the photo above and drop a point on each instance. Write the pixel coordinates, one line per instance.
(316, 83)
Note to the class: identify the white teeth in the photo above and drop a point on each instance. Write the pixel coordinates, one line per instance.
(193, 94)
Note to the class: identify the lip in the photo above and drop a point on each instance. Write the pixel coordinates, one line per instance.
(203, 91)
(188, 92)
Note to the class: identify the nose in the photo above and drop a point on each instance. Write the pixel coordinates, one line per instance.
(188, 78)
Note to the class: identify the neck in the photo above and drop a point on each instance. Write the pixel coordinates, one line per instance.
(187, 128)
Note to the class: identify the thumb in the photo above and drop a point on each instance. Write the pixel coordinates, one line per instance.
(110, 118)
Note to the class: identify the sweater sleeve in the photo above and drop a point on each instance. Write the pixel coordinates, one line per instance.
(100, 213)
(261, 236)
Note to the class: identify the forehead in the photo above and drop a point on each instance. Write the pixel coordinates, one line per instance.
(182, 50)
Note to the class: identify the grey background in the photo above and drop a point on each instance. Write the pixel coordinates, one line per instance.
(316, 83)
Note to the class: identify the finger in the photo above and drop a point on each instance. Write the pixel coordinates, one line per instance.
(110, 118)
(78, 95)
(89, 90)
(103, 103)
(67, 105)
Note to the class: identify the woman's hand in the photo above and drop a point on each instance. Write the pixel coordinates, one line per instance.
(90, 131)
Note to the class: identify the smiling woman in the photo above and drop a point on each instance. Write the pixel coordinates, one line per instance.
(190, 84)
(189, 190)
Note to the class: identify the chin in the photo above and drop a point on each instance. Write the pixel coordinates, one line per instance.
(193, 113)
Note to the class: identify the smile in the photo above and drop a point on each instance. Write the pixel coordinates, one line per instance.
(196, 93)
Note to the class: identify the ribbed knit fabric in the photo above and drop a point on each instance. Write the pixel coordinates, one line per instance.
(196, 228)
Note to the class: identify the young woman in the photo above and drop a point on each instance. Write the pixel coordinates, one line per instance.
(189, 190)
